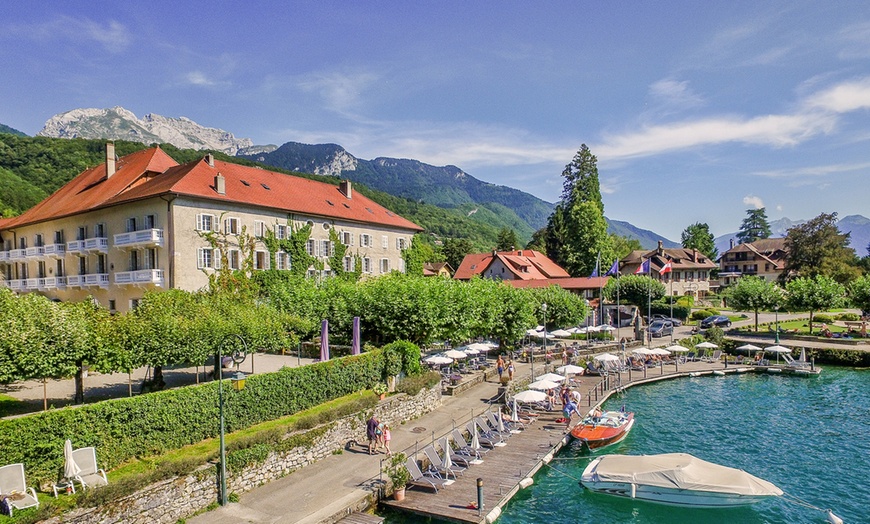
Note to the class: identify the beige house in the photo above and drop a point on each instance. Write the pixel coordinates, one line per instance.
(764, 258)
(689, 269)
(141, 222)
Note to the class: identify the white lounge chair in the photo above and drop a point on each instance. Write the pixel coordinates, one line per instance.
(464, 448)
(436, 464)
(418, 478)
(90, 475)
(13, 486)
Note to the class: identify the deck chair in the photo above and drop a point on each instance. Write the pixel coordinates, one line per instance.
(484, 440)
(492, 423)
(690, 356)
(791, 362)
(510, 427)
(714, 357)
(418, 478)
(463, 448)
(13, 486)
(435, 464)
(90, 475)
(457, 458)
(739, 360)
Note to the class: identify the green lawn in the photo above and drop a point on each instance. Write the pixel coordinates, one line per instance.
(12, 406)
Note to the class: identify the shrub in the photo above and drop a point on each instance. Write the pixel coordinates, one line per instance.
(701, 314)
(408, 356)
(827, 319)
(849, 317)
(413, 385)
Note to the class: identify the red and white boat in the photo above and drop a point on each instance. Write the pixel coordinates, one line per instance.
(609, 428)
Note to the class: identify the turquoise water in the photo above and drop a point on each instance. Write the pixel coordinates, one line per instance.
(809, 436)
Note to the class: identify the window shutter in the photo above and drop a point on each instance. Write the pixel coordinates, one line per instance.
(199, 222)
(216, 258)
(199, 261)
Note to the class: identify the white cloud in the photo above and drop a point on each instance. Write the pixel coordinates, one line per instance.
(113, 36)
(198, 78)
(341, 91)
(673, 93)
(779, 207)
(843, 98)
(855, 41)
(814, 171)
(753, 201)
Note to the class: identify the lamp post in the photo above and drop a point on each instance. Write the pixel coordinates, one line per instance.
(776, 316)
(234, 345)
(544, 309)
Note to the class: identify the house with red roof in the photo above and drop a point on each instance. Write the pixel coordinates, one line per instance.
(142, 221)
(523, 264)
(764, 258)
(689, 269)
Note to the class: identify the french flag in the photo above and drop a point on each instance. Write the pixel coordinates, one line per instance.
(666, 268)
(643, 269)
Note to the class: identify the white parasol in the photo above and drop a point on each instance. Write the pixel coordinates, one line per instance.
(70, 468)
(561, 333)
(706, 345)
(569, 369)
(543, 385)
(552, 377)
(530, 395)
(606, 357)
(453, 353)
(660, 351)
(749, 347)
(438, 360)
(606, 327)
(641, 351)
(471, 351)
(446, 463)
(479, 346)
(677, 349)
(514, 415)
(475, 440)
(777, 349)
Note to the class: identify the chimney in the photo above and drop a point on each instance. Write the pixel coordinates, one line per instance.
(209, 158)
(732, 243)
(660, 246)
(220, 184)
(494, 253)
(346, 189)
(110, 159)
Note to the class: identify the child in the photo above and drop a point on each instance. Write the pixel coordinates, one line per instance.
(388, 435)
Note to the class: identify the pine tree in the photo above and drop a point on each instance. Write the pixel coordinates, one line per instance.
(754, 226)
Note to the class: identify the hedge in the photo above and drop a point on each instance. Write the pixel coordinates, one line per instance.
(145, 425)
(664, 308)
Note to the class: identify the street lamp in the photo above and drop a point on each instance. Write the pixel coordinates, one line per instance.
(776, 316)
(544, 309)
(235, 346)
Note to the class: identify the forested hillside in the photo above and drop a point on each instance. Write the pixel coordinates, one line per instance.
(32, 168)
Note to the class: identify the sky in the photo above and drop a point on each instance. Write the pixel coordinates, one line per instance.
(696, 111)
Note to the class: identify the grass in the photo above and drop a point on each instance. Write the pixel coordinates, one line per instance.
(12, 406)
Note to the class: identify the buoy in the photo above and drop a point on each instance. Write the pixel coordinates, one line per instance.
(634, 491)
(493, 515)
(547, 458)
(833, 519)
(526, 482)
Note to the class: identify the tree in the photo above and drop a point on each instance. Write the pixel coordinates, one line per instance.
(418, 254)
(859, 293)
(576, 231)
(507, 240)
(819, 293)
(698, 236)
(538, 241)
(623, 246)
(637, 290)
(752, 293)
(817, 247)
(754, 227)
(455, 249)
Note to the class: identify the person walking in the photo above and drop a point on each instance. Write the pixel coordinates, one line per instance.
(499, 365)
(371, 433)
(568, 411)
(510, 369)
(387, 436)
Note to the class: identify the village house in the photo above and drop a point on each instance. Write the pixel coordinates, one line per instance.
(689, 274)
(144, 221)
(764, 258)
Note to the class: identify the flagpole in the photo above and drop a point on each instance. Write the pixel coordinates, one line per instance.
(648, 302)
(671, 278)
(618, 314)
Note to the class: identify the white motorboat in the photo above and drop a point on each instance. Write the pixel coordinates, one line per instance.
(677, 479)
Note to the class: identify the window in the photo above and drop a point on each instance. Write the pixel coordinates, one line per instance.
(282, 261)
(401, 243)
(134, 303)
(365, 240)
(233, 259)
(150, 258)
(326, 226)
(23, 274)
(402, 265)
(150, 221)
(40, 269)
(37, 240)
(367, 265)
(259, 228)
(385, 265)
(261, 260)
(348, 264)
(281, 232)
(102, 266)
(131, 225)
(205, 222)
(325, 248)
(309, 246)
(231, 226)
(22, 243)
(346, 238)
(58, 237)
(82, 233)
(112, 308)
(59, 270)
(100, 231)
(385, 241)
(134, 261)
(83, 265)
(205, 258)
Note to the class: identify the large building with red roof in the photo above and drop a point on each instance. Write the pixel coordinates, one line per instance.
(142, 222)
(689, 269)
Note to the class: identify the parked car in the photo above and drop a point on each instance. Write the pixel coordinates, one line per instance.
(716, 320)
(661, 328)
(675, 321)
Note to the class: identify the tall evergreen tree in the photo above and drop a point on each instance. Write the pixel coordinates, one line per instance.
(698, 236)
(507, 240)
(754, 226)
(577, 231)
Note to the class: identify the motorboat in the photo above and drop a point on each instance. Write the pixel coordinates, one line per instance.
(677, 479)
(608, 428)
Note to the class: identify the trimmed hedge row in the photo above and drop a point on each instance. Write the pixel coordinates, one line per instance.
(145, 425)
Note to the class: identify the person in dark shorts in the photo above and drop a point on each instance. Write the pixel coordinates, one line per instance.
(371, 433)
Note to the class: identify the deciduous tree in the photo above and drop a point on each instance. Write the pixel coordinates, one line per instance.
(819, 293)
(635, 289)
(817, 247)
(698, 236)
(752, 293)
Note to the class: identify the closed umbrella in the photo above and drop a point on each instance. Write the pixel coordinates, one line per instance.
(324, 340)
(446, 463)
(354, 346)
(70, 468)
(514, 415)
(475, 440)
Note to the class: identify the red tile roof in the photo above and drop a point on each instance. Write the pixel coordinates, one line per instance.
(524, 264)
(152, 172)
(570, 283)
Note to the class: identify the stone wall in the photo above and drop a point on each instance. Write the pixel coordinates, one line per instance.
(173, 499)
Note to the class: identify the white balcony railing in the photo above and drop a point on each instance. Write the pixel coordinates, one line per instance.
(75, 280)
(75, 246)
(140, 277)
(55, 250)
(52, 283)
(98, 244)
(17, 285)
(96, 280)
(4, 256)
(34, 252)
(143, 238)
(17, 254)
(31, 283)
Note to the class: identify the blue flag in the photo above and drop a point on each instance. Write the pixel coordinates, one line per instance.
(614, 269)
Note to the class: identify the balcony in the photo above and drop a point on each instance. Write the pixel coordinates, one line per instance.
(17, 254)
(98, 245)
(95, 280)
(141, 277)
(143, 238)
(75, 280)
(31, 283)
(17, 285)
(75, 246)
(34, 252)
(55, 250)
(4, 256)
(52, 283)
(730, 274)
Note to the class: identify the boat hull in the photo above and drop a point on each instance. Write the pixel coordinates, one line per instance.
(673, 497)
(598, 436)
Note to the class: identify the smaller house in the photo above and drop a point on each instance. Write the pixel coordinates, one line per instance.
(764, 258)
(689, 274)
(523, 264)
(437, 269)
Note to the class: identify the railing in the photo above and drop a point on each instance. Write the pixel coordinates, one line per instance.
(52, 282)
(96, 279)
(17, 254)
(97, 244)
(31, 283)
(4, 256)
(34, 252)
(75, 246)
(17, 285)
(142, 276)
(75, 280)
(55, 250)
(145, 237)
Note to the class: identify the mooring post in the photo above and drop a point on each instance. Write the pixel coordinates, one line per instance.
(479, 496)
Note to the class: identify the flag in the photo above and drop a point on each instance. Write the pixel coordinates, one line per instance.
(666, 268)
(644, 268)
(614, 269)
(597, 262)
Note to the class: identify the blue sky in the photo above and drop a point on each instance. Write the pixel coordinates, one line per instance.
(697, 111)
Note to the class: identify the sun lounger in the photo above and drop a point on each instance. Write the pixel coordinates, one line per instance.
(13, 486)
(418, 478)
(492, 422)
(90, 475)
(481, 437)
(436, 464)
(462, 460)
(464, 448)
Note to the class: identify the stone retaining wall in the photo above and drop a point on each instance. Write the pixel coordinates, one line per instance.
(168, 501)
